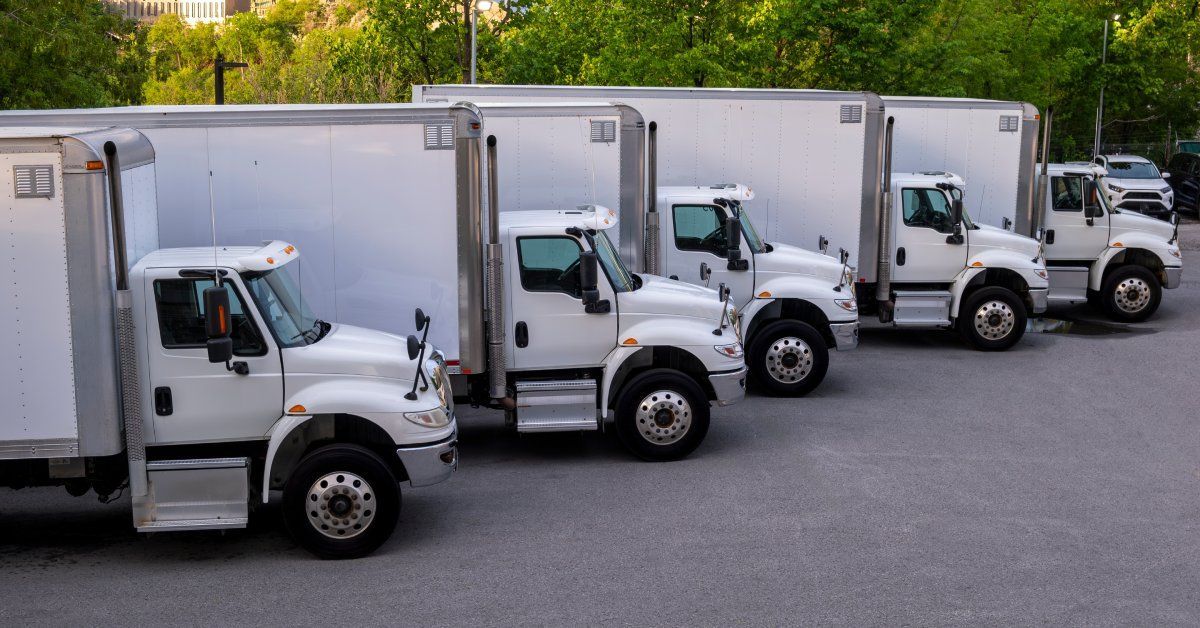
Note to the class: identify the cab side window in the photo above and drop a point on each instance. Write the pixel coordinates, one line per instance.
(180, 304)
(700, 228)
(928, 208)
(550, 264)
(1067, 193)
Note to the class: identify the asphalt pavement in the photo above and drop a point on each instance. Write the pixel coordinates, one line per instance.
(923, 483)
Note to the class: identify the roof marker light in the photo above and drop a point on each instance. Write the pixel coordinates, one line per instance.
(297, 409)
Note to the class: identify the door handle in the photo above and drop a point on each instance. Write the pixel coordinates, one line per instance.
(1049, 236)
(900, 256)
(522, 334)
(162, 401)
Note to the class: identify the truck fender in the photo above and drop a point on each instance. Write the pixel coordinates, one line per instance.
(961, 282)
(817, 291)
(1129, 241)
(612, 364)
(280, 431)
(361, 396)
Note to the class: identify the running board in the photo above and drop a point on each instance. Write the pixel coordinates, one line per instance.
(921, 308)
(557, 406)
(1068, 284)
(197, 494)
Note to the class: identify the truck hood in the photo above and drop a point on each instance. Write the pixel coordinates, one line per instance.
(1121, 221)
(349, 350)
(662, 296)
(793, 260)
(989, 237)
(1148, 185)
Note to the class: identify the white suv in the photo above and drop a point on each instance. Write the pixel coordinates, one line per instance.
(1135, 183)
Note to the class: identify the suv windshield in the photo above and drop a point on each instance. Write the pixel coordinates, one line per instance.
(752, 237)
(279, 300)
(1132, 170)
(613, 266)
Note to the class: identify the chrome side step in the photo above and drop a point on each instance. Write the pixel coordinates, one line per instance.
(923, 308)
(197, 494)
(557, 406)
(1068, 284)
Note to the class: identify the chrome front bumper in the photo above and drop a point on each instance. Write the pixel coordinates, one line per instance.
(1174, 276)
(845, 335)
(1040, 297)
(729, 387)
(430, 464)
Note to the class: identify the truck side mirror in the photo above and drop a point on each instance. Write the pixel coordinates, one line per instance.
(956, 212)
(733, 245)
(218, 324)
(414, 347)
(592, 303)
(421, 319)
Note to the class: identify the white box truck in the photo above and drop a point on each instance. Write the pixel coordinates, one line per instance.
(815, 160)
(1110, 257)
(795, 304)
(194, 377)
(388, 201)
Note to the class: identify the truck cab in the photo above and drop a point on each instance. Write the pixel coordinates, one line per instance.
(946, 269)
(795, 304)
(1094, 251)
(586, 335)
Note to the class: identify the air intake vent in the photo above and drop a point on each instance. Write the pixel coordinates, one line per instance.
(851, 114)
(604, 131)
(34, 181)
(1009, 124)
(439, 136)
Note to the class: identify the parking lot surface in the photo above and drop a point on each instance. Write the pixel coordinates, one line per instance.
(923, 483)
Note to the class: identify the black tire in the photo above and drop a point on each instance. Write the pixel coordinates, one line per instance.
(306, 504)
(672, 424)
(992, 318)
(1130, 294)
(784, 367)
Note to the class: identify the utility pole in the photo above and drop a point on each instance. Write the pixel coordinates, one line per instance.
(220, 66)
(1100, 108)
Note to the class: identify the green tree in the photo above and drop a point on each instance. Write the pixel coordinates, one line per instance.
(66, 53)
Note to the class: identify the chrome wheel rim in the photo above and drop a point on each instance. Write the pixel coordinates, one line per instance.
(664, 417)
(341, 505)
(994, 320)
(1132, 295)
(789, 360)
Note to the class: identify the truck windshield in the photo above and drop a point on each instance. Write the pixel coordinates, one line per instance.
(280, 302)
(620, 276)
(752, 237)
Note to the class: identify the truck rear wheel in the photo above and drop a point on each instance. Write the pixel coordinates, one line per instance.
(992, 318)
(1130, 294)
(661, 415)
(789, 358)
(342, 501)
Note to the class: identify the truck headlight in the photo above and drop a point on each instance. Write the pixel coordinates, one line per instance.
(732, 350)
(850, 305)
(1041, 273)
(1174, 251)
(437, 417)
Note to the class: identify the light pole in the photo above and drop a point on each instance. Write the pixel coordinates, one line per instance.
(1100, 109)
(219, 79)
(482, 6)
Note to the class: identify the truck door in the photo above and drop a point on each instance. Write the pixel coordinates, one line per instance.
(920, 252)
(191, 398)
(1068, 234)
(547, 324)
(696, 235)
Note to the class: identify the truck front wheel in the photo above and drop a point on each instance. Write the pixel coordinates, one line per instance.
(992, 318)
(789, 358)
(1130, 294)
(661, 415)
(342, 501)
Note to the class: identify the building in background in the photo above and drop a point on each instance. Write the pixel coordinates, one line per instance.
(261, 7)
(192, 11)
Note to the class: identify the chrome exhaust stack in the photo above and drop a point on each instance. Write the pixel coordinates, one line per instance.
(494, 287)
(883, 285)
(652, 223)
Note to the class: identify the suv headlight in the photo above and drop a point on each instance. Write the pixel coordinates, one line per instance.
(1116, 188)
(437, 417)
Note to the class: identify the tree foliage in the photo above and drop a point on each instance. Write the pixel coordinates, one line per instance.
(1046, 52)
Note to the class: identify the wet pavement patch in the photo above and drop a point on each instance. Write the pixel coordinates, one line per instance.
(1082, 328)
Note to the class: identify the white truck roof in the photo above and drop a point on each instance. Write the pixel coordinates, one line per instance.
(238, 258)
